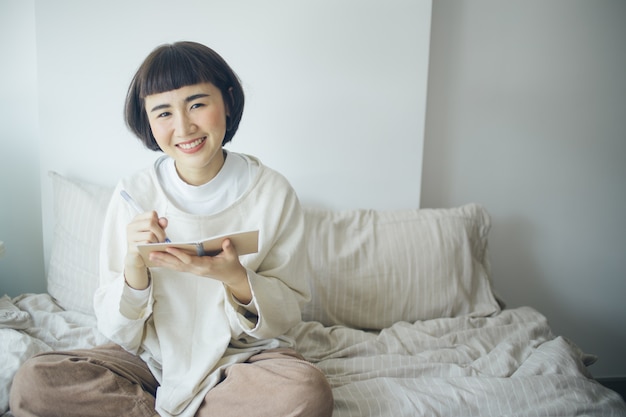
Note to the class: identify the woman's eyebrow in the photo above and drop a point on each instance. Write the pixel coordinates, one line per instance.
(159, 107)
(195, 97)
(187, 100)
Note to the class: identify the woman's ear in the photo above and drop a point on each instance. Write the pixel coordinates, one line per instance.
(229, 123)
(229, 103)
(231, 100)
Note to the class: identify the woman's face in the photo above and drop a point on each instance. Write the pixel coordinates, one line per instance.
(189, 125)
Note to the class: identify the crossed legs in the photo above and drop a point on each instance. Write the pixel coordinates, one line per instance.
(108, 381)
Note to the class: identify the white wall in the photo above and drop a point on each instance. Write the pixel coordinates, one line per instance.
(336, 94)
(22, 267)
(527, 115)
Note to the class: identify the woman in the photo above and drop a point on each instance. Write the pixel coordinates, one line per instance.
(193, 335)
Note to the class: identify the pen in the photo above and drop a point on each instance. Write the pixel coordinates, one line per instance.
(136, 207)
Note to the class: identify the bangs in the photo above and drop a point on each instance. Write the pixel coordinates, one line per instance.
(172, 69)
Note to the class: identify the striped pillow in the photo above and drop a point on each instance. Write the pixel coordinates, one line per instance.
(370, 269)
(79, 210)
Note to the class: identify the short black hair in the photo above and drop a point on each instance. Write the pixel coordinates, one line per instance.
(172, 66)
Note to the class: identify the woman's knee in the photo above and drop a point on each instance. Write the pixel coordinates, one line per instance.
(29, 386)
(304, 385)
(73, 383)
(318, 393)
(271, 384)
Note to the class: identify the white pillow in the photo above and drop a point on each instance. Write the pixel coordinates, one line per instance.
(370, 269)
(79, 211)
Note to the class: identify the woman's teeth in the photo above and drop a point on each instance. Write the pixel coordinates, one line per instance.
(191, 145)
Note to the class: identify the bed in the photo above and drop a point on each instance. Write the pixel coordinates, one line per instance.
(403, 319)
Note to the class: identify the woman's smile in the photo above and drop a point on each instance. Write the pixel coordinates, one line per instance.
(192, 145)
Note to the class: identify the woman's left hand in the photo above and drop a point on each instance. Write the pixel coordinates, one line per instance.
(224, 267)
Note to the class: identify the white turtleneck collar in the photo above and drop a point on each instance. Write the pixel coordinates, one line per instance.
(222, 191)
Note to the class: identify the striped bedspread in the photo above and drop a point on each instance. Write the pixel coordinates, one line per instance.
(507, 365)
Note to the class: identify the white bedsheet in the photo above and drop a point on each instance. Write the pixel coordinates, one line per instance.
(507, 365)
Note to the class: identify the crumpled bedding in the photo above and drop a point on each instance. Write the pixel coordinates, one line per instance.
(506, 365)
(11, 317)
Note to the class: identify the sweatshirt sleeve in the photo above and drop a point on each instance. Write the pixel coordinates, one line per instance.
(279, 287)
(121, 312)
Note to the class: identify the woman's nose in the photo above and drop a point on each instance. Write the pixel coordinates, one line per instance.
(184, 126)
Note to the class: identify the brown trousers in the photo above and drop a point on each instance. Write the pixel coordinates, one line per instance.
(107, 381)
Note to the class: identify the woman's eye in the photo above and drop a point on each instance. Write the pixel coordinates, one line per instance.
(196, 105)
(164, 114)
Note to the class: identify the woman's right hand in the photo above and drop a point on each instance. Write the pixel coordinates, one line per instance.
(145, 228)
